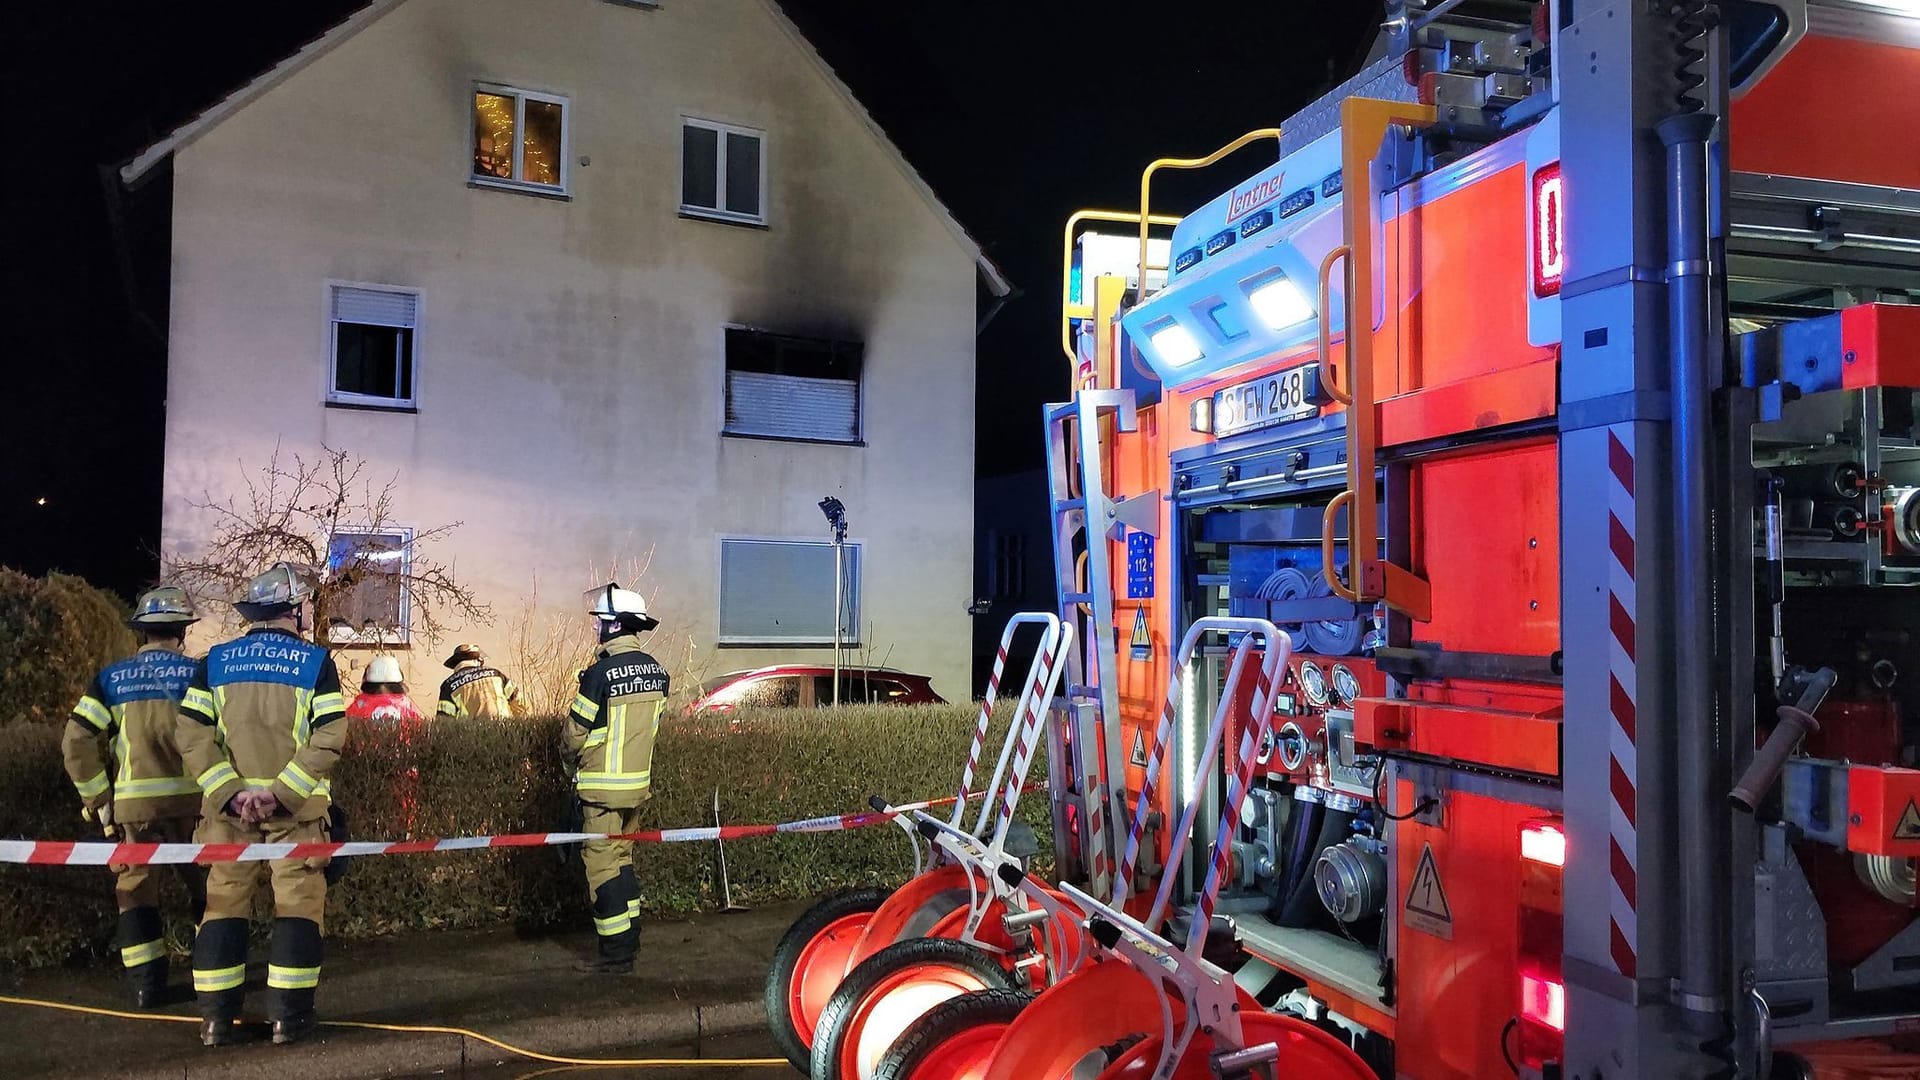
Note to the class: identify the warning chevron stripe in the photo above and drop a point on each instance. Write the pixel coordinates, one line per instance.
(101, 853)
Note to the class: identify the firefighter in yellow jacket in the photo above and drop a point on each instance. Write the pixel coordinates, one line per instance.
(261, 728)
(139, 791)
(610, 746)
(477, 689)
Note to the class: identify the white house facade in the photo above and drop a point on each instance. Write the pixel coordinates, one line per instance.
(606, 283)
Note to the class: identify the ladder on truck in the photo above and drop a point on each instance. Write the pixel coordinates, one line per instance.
(1089, 774)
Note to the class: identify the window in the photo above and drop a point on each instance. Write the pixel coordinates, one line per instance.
(1007, 572)
(792, 388)
(767, 692)
(372, 331)
(370, 604)
(519, 139)
(780, 592)
(858, 690)
(723, 174)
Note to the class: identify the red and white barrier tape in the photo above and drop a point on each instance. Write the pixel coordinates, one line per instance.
(101, 853)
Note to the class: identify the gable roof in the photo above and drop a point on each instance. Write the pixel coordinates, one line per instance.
(143, 163)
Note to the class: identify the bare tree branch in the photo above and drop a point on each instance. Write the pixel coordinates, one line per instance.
(309, 511)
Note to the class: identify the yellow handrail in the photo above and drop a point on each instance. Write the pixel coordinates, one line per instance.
(1146, 183)
(1066, 265)
(1363, 125)
(1327, 381)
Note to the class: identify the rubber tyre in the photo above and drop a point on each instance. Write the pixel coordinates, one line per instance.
(834, 908)
(968, 1013)
(850, 1001)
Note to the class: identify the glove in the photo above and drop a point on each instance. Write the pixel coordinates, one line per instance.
(102, 817)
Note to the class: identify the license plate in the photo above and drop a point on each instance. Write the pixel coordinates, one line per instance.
(1265, 401)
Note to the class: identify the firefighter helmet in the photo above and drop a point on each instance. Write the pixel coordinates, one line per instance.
(163, 607)
(383, 669)
(462, 653)
(612, 604)
(277, 590)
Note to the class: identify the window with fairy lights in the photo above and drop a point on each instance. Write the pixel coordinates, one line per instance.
(519, 139)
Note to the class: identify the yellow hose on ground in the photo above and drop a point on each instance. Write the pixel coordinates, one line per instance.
(433, 1029)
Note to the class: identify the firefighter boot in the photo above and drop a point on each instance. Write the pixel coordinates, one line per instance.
(143, 952)
(614, 903)
(220, 977)
(293, 972)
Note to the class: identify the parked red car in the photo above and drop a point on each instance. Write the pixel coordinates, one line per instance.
(805, 686)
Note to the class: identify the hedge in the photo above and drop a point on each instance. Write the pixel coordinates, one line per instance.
(56, 632)
(481, 777)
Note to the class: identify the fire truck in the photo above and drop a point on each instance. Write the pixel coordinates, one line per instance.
(1552, 395)
(1554, 391)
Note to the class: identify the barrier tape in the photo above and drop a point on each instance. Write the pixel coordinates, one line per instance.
(102, 853)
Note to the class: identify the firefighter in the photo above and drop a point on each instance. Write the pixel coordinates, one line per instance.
(476, 689)
(610, 735)
(147, 797)
(261, 728)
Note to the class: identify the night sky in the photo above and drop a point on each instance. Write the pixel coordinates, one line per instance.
(1017, 113)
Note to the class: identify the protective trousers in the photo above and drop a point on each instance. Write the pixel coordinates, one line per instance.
(299, 902)
(611, 883)
(143, 946)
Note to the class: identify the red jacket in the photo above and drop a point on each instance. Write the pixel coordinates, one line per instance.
(385, 708)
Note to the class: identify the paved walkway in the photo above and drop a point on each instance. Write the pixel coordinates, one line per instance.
(695, 993)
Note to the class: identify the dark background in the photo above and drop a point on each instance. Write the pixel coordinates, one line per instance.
(1016, 112)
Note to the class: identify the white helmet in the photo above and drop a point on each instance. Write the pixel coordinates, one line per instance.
(383, 669)
(612, 604)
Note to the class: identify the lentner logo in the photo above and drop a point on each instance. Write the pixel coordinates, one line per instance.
(1240, 202)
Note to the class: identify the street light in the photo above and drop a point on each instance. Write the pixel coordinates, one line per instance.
(836, 514)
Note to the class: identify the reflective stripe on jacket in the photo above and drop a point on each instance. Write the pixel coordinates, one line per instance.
(483, 693)
(133, 705)
(614, 720)
(264, 710)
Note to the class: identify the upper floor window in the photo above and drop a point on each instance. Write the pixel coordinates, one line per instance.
(723, 174)
(781, 387)
(372, 330)
(519, 139)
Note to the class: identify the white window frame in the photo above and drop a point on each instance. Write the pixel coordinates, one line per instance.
(851, 639)
(520, 98)
(722, 130)
(393, 637)
(337, 396)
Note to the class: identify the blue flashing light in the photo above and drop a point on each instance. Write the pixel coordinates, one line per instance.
(1296, 202)
(1331, 185)
(1221, 241)
(1186, 260)
(1255, 222)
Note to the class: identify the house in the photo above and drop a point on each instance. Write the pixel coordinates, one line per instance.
(603, 281)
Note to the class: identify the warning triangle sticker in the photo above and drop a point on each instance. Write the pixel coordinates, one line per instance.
(1141, 644)
(1139, 756)
(1426, 907)
(1908, 827)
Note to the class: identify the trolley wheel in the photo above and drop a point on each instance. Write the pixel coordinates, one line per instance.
(912, 910)
(1077, 1027)
(809, 963)
(955, 1041)
(1305, 1050)
(890, 990)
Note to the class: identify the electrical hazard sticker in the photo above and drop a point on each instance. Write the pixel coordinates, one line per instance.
(1139, 756)
(1141, 643)
(1908, 827)
(1426, 908)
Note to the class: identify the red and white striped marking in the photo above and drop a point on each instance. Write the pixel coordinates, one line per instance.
(980, 730)
(101, 853)
(1161, 748)
(1622, 695)
(1038, 701)
(1253, 731)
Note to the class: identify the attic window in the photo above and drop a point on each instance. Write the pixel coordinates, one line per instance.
(519, 139)
(723, 172)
